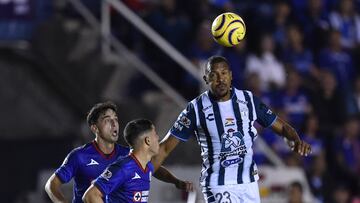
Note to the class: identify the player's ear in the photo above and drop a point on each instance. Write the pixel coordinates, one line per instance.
(147, 140)
(205, 79)
(94, 129)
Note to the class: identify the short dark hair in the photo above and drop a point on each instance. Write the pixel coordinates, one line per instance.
(98, 109)
(135, 128)
(213, 60)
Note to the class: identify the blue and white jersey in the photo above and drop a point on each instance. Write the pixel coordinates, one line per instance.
(125, 181)
(225, 132)
(85, 164)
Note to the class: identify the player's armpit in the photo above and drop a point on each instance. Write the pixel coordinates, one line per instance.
(93, 195)
(167, 145)
(53, 189)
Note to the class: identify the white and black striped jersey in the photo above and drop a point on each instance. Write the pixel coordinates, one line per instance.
(225, 132)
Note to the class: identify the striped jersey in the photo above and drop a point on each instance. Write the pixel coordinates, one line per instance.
(125, 181)
(225, 132)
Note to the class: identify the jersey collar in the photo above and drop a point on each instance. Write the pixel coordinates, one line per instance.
(212, 98)
(138, 163)
(105, 156)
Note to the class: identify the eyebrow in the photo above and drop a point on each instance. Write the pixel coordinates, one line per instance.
(106, 116)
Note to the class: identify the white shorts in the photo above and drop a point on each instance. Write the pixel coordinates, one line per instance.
(242, 193)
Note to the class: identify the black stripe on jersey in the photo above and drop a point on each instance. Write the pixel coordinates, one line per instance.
(208, 139)
(210, 198)
(220, 129)
(252, 178)
(240, 129)
(251, 118)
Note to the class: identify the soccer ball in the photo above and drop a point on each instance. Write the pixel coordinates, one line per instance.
(228, 29)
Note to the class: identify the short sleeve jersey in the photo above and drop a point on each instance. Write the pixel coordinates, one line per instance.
(225, 132)
(85, 164)
(125, 181)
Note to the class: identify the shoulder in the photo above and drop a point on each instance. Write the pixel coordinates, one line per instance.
(122, 150)
(78, 151)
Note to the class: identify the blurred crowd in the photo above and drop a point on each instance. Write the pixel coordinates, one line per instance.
(301, 57)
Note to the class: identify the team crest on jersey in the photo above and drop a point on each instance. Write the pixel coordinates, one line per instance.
(229, 122)
(141, 196)
(232, 148)
(184, 121)
(106, 174)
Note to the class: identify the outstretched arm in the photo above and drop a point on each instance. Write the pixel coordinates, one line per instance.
(166, 176)
(167, 145)
(53, 189)
(291, 137)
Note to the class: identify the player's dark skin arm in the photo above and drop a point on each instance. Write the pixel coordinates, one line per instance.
(167, 145)
(296, 144)
(53, 189)
(166, 176)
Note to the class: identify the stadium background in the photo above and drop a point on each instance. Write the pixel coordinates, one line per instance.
(300, 57)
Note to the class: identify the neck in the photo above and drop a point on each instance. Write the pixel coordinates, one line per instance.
(104, 146)
(142, 156)
(226, 97)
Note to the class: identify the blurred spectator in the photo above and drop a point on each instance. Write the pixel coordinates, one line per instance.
(296, 56)
(293, 100)
(266, 65)
(328, 104)
(353, 99)
(199, 51)
(311, 135)
(347, 22)
(319, 179)
(347, 146)
(295, 193)
(281, 20)
(341, 194)
(173, 25)
(336, 60)
(237, 58)
(314, 22)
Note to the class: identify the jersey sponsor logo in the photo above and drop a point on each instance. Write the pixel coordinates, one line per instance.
(184, 121)
(92, 162)
(206, 108)
(229, 122)
(136, 176)
(178, 126)
(241, 102)
(232, 146)
(210, 117)
(269, 112)
(106, 174)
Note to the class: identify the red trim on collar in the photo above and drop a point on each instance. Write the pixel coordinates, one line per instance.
(138, 163)
(101, 152)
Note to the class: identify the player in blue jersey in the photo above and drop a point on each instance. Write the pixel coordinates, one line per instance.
(222, 119)
(128, 179)
(86, 163)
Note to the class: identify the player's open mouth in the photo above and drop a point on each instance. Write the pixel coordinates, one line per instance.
(115, 133)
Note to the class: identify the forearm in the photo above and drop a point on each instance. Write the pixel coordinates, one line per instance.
(166, 176)
(285, 130)
(289, 133)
